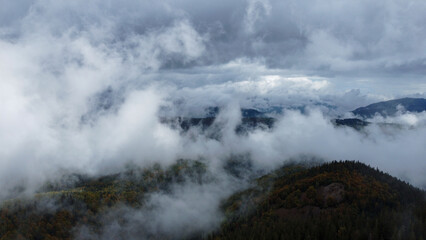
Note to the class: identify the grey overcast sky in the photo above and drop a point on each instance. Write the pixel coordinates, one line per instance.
(378, 46)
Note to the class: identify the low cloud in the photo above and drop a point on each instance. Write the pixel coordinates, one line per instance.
(189, 210)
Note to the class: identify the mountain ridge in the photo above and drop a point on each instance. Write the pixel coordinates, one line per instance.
(391, 107)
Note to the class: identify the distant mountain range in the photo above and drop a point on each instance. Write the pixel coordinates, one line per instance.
(212, 112)
(384, 109)
(265, 118)
(390, 108)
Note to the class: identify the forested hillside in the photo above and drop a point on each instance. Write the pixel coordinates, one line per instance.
(338, 200)
(60, 209)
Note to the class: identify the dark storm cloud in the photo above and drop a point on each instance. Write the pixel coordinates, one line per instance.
(337, 38)
(310, 36)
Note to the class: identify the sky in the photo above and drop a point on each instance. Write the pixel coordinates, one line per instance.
(83, 83)
(378, 47)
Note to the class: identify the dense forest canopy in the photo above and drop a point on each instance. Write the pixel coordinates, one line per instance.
(337, 200)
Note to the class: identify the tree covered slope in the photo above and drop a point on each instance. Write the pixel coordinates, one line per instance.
(59, 210)
(338, 200)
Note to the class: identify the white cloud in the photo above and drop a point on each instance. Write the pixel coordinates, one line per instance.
(255, 12)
